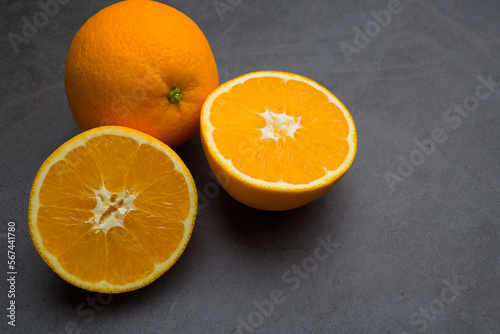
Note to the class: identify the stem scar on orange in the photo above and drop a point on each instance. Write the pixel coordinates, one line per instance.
(140, 64)
(112, 209)
(279, 140)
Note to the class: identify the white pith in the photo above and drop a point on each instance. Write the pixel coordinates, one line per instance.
(279, 125)
(121, 203)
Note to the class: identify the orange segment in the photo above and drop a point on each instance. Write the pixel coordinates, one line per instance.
(281, 139)
(143, 173)
(167, 198)
(113, 156)
(298, 163)
(237, 143)
(84, 167)
(112, 209)
(235, 112)
(62, 188)
(127, 261)
(157, 236)
(51, 221)
(86, 260)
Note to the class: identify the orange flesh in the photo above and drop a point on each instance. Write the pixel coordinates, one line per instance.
(145, 236)
(318, 145)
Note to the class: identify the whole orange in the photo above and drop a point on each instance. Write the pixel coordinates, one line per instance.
(140, 64)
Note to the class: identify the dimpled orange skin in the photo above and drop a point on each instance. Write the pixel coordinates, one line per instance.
(124, 61)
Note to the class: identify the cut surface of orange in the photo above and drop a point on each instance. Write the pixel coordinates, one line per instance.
(112, 209)
(276, 140)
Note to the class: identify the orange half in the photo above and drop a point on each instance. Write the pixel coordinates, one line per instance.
(277, 140)
(112, 209)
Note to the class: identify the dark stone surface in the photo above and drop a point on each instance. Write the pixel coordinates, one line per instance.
(421, 255)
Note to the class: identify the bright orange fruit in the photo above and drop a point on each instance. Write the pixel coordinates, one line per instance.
(112, 209)
(277, 140)
(140, 64)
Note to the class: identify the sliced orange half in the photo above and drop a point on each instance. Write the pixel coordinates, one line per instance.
(112, 209)
(276, 140)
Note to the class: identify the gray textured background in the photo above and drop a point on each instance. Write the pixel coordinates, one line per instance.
(396, 251)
